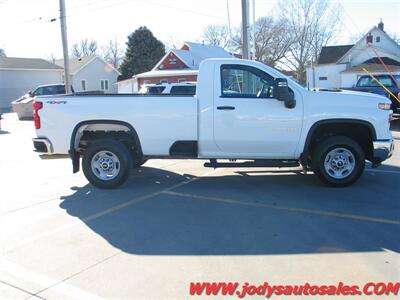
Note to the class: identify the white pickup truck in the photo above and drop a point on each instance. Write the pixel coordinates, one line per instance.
(244, 113)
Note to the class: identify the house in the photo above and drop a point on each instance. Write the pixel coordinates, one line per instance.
(177, 65)
(20, 75)
(341, 66)
(91, 73)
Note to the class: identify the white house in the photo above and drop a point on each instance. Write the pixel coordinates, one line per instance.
(91, 73)
(19, 75)
(341, 66)
(177, 65)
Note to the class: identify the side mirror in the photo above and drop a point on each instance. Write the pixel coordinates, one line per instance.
(282, 92)
(30, 94)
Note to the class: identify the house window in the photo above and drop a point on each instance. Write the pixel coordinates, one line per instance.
(182, 80)
(172, 61)
(104, 84)
(83, 84)
(164, 81)
(378, 39)
(146, 81)
(323, 78)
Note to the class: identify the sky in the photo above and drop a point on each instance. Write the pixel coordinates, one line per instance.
(26, 29)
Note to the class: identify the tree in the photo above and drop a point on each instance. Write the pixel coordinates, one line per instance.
(217, 35)
(394, 36)
(85, 47)
(272, 40)
(2, 53)
(142, 53)
(113, 53)
(311, 25)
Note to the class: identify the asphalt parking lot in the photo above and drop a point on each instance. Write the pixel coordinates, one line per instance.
(175, 222)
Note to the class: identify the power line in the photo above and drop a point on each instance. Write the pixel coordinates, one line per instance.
(184, 10)
(49, 17)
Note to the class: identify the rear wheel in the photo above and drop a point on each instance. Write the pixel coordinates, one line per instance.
(106, 163)
(137, 162)
(338, 161)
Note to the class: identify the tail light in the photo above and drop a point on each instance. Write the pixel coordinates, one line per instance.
(37, 105)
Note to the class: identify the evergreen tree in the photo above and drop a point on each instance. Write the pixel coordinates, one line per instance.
(142, 53)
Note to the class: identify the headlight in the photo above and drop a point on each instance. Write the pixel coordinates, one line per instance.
(384, 106)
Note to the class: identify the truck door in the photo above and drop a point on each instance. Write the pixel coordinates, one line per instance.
(248, 121)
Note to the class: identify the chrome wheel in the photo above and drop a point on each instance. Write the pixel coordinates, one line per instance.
(339, 163)
(105, 165)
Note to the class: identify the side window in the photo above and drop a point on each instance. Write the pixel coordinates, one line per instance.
(59, 89)
(364, 82)
(385, 80)
(183, 90)
(38, 92)
(239, 81)
(155, 90)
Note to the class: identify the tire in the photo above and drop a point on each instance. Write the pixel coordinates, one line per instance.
(136, 163)
(338, 161)
(106, 163)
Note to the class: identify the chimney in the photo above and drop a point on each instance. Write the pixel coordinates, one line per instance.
(381, 25)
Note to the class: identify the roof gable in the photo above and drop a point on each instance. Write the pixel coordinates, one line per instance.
(182, 60)
(27, 64)
(77, 64)
(340, 54)
(362, 44)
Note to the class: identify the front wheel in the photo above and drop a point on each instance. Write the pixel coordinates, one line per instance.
(338, 161)
(106, 163)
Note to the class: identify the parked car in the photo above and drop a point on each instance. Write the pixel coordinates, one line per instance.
(181, 88)
(242, 110)
(366, 84)
(23, 105)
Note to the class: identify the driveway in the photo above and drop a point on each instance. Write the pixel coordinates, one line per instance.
(176, 222)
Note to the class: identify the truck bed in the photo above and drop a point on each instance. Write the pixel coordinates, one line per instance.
(160, 120)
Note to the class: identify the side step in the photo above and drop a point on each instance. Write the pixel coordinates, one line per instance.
(266, 163)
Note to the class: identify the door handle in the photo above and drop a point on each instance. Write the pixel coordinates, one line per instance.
(225, 107)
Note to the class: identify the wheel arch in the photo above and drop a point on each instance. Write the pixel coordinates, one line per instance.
(75, 137)
(331, 122)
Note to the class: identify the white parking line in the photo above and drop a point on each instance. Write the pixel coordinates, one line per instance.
(100, 214)
(286, 208)
(45, 282)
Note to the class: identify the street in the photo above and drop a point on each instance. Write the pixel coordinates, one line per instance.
(176, 222)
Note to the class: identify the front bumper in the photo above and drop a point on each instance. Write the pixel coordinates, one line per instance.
(42, 145)
(383, 149)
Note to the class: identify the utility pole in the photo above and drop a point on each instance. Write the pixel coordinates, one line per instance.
(254, 30)
(245, 29)
(63, 22)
